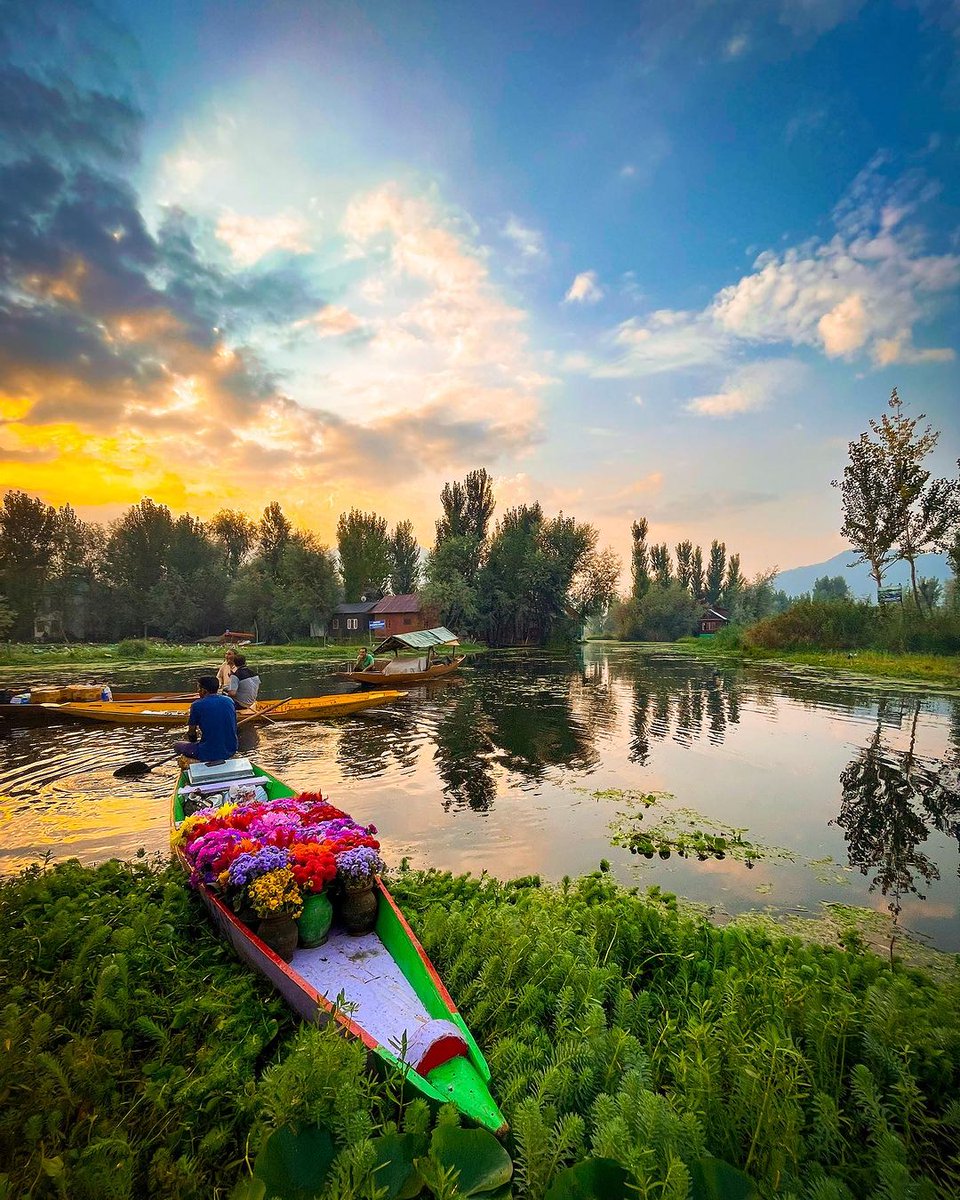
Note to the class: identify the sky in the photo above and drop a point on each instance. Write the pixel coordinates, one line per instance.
(635, 259)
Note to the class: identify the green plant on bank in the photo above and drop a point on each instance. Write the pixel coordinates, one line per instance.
(138, 650)
(630, 1043)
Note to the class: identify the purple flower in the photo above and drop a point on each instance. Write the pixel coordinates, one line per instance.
(358, 866)
(246, 867)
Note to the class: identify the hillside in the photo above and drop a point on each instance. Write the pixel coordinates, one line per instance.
(801, 579)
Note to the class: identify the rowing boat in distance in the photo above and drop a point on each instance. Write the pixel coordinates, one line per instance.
(402, 670)
(379, 986)
(176, 712)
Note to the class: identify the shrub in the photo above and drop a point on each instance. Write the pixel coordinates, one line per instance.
(133, 648)
(817, 624)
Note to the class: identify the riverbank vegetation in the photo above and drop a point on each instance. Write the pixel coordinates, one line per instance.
(528, 579)
(137, 652)
(142, 1060)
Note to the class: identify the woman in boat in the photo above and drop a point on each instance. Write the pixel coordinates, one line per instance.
(227, 667)
(212, 725)
(244, 684)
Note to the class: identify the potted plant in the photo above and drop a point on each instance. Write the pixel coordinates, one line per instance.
(357, 870)
(276, 900)
(313, 867)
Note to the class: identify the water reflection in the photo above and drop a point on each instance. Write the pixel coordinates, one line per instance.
(687, 710)
(891, 799)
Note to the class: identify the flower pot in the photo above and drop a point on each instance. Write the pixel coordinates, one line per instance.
(358, 910)
(280, 934)
(314, 923)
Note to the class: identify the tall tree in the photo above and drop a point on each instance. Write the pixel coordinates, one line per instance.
(924, 511)
(830, 588)
(237, 535)
(273, 533)
(640, 558)
(734, 582)
(685, 564)
(661, 565)
(716, 572)
(28, 530)
(404, 559)
(365, 558)
(467, 508)
(696, 573)
(135, 562)
(75, 564)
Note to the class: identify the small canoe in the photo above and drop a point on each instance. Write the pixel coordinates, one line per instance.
(399, 678)
(175, 712)
(390, 993)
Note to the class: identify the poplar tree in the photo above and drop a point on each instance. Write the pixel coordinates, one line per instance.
(716, 572)
(404, 559)
(684, 564)
(640, 559)
(660, 564)
(696, 573)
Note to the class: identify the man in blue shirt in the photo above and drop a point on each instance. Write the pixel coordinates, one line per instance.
(212, 723)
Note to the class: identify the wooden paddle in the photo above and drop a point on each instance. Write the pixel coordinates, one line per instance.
(141, 768)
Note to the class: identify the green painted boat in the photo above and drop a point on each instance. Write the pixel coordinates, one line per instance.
(379, 987)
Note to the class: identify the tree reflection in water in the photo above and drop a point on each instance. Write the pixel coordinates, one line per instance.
(688, 709)
(890, 801)
(537, 716)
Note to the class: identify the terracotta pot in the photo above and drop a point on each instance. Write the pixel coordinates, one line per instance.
(358, 910)
(280, 934)
(314, 923)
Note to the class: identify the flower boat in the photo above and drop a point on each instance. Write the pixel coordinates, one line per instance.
(268, 849)
(175, 712)
(405, 671)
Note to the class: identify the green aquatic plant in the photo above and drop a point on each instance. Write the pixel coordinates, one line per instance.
(141, 1059)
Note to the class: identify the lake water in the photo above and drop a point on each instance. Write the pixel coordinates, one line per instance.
(533, 763)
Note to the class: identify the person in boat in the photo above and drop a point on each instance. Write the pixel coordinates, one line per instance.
(212, 725)
(244, 684)
(365, 660)
(227, 667)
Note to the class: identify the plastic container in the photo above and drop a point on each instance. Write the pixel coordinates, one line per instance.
(105, 693)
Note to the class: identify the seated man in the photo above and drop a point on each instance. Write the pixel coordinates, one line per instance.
(364, 661)
(212, 731)
(243, 685)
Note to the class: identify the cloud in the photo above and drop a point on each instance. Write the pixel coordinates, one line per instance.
(528, 242)
(331, 321)
(251, 238)
(750, 389)
(861, 293)
(584, 290)
(736, 46)
(121, 344)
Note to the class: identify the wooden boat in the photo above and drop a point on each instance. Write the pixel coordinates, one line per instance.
(392, 992)
(407, 671)
(175, 712)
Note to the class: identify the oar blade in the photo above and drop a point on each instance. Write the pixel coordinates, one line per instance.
(131, 769)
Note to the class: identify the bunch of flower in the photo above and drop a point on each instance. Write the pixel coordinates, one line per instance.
(313, 866)
(275, 894)
(245, 868)
(357, 868)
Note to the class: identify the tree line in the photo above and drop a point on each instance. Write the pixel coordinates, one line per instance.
(527, 579)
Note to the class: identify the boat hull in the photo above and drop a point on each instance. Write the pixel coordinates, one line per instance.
(310, 708)
(400, 679)
(461, 1078)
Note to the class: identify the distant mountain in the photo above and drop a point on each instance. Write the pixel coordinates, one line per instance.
(801, 579)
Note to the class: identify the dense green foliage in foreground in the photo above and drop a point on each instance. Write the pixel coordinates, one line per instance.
(856, 625)
(141, 1060)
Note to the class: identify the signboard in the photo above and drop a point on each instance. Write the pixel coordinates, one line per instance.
(889, 595)
(378, 624)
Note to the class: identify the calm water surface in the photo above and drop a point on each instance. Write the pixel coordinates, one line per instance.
(525, 763)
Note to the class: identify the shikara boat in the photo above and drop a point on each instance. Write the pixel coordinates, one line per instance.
(175, 712)
(379, 987)
(405, 671)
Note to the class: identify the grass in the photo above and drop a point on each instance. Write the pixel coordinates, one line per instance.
(931, 668)
(137, 652)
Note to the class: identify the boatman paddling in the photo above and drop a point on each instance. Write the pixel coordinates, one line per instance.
(212, 732)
